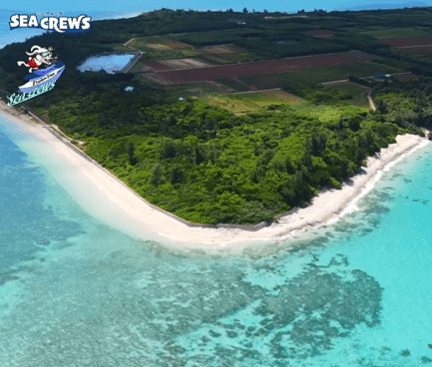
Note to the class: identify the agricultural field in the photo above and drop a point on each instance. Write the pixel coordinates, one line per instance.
(159, 42)
(408, 42)
(358, 92)
(320, 33)
(422, 51)
(319, 74)
(236, 84)
(241, 104)
(175, 45)
(161, 48)
(265, 67)
(327, 113)
(428, 59)
(153, 66)
(398, 33)
(407, 77)
(228, 58)
(182, 64)
(221, 49)
(195, 89)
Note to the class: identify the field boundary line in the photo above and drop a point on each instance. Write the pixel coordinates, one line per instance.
(413, 46)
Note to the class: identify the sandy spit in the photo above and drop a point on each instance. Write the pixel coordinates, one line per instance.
(108, 199)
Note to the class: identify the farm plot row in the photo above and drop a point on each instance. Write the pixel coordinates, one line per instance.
(263, 67)
(398, 33)
(320, 33)
(408, 42)
(420, 51)
(313, 75)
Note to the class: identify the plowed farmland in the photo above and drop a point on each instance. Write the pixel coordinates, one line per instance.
(264, 67)
(180, 64)
(407, 77)
(320, 33)
(407, 42)
(222, 49)
(156, 66)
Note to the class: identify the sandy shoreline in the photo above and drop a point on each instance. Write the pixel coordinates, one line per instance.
(111, 201)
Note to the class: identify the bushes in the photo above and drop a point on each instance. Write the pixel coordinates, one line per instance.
(317, 94)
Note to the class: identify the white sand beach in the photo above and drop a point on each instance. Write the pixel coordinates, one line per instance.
(106, 198)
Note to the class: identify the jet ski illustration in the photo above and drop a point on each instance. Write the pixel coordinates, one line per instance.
(39, 56)
(42, 77)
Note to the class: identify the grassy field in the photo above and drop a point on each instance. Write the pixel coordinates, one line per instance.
(417, 51)
(270, 98)
(398, 33)
(327, 113)
(359, 93)
(162, 41)
(136, 68)
(194, 89)
(234, 84)
(319, 74)
(257, 102)
(158, 48)
(152, 54)
(253, 102)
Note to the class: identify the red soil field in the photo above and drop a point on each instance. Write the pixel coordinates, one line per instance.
(406, 77)
(264, 67)
(157, 66)
(410, 41)
(320, 33)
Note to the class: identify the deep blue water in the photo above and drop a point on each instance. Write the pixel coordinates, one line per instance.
(75, 292)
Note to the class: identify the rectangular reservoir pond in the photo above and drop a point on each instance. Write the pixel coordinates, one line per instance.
(110, 63)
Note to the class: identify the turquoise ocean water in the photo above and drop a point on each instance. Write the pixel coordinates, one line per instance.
(75, 292)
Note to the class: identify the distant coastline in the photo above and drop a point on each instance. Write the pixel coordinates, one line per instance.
(20, 35)
(117, 205)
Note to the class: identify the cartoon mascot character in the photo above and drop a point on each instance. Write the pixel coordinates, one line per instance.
(37, 57)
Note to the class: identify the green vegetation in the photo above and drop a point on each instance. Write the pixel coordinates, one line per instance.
(166, 54)
(335, 94)
(398, 33)
(253, 102)
(405, 104)
(207, 165)
(203, 162)
(194, 89)
(358, 93)
(318, 94)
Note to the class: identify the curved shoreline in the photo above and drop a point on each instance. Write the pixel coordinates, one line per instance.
(108, 199)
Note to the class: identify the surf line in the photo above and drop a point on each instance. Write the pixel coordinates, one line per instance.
(22, 97)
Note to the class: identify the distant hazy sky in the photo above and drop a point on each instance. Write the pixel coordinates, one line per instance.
(128, 6)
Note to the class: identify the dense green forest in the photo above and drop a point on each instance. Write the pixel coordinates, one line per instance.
(204, 163)
(209, 166)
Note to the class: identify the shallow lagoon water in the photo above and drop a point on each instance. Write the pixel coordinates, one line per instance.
(75, 292)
